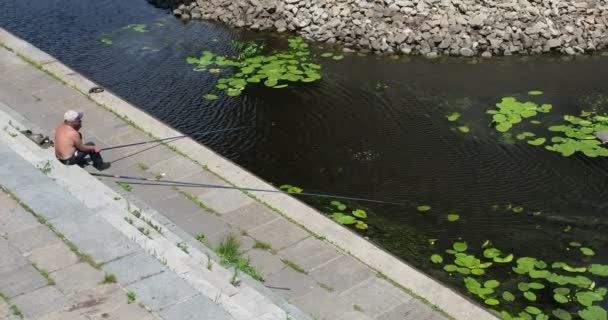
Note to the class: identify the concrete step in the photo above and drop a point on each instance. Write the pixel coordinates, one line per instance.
(127, 241)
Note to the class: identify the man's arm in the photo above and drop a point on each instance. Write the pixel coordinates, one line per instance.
(83, 147)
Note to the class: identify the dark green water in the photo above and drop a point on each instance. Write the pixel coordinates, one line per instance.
(343, 135)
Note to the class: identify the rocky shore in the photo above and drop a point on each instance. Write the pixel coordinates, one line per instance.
(427, 27)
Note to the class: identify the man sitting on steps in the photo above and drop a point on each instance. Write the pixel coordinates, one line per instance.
(69, 148)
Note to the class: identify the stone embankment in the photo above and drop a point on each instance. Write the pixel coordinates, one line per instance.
(427, 27)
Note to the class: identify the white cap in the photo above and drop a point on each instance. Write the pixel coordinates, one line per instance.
(72, 115)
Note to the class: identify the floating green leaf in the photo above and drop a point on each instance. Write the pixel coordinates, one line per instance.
(453, 217)
(535, 122)
(327, 54)
(599, 270)
(533, 310)
(361, 225)
(510, 112)
(593, 313)
(460, 246)
(106, 40)
(215, 70)
(530, 295)
(575, 244)
(535, 93)
(506, 259)
(508, 296)
(562, 291)
(587, 298)
(587, 251)
(492, 302)
(537, 142)
(560, 298)
(450, 268)
(210, 97)
(491, 284)
(338, 57)
(464, 129)
(360, 213)
(518, 209)
(436, 258)
(423, 208)
(341, 218)
(524, 135)
(562, 314)
(453, 116)
(491, 253)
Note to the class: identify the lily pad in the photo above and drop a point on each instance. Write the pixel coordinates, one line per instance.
(210, 97)
(587, 298)
(214, 70)
(530, 295)
(587, 251)
(452, 217)
(492, 302)
(360, 213)
(535, 93)
(423, 208)
(533, 310)
(537, 142)
(450, 268)
(338, 57)
(453, 116)
(327, 54)
(593, 313)
(361, 225)
(560, 298)
(575, 244)
(508, 296)
(491, 284)
(464, 129)
(562, 314)
(599, 270)
(343, 219)
(460, 246)
(106, 40)
(436, 258)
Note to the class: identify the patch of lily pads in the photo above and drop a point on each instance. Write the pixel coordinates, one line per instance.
(574, 294)
(578, 135)
(511, 111)
(139, 27)
(343, 216)
(276, 70)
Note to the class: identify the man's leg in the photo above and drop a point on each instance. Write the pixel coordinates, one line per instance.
(96, 157)
(79, 158)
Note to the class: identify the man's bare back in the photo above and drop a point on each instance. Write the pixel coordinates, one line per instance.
(66, 140)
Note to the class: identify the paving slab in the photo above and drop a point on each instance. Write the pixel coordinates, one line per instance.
(154, 196)
(250, 216)
(198, 222)
(195, 308)
(11, 257)
(375, 296)
(176, 168)
(213, 240)
(46, 199)
(63, 315)
(15, 219)
(124, 312)
(202, 176)
(96, 300)
(162, 290)
(225, 200)
(39, 302)
(296, 283)
(22, 280)
(411, 310)
(321, 304)
(95, 236)
(53, 257)
(33, 238)
(133, 268)
(265, 262)
(279, 233)
(77, 277)
(178, 204)
(310, 253)
(342, 273)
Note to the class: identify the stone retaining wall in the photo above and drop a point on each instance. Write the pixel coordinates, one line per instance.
(427, 27)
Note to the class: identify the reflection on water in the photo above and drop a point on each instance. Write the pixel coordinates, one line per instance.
(373, 127)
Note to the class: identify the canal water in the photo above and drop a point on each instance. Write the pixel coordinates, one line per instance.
(372, 127)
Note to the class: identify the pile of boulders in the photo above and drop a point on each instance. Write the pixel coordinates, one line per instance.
(427, 27)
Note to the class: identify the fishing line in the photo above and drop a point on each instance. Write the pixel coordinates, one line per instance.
(174, 138)
(154, 182)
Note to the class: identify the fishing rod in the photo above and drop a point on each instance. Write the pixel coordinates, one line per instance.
(174, 138)
(154, 182)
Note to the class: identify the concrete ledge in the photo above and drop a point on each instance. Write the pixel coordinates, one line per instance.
(446, 299)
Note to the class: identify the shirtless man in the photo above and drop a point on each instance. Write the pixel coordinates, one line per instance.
(69, 148)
